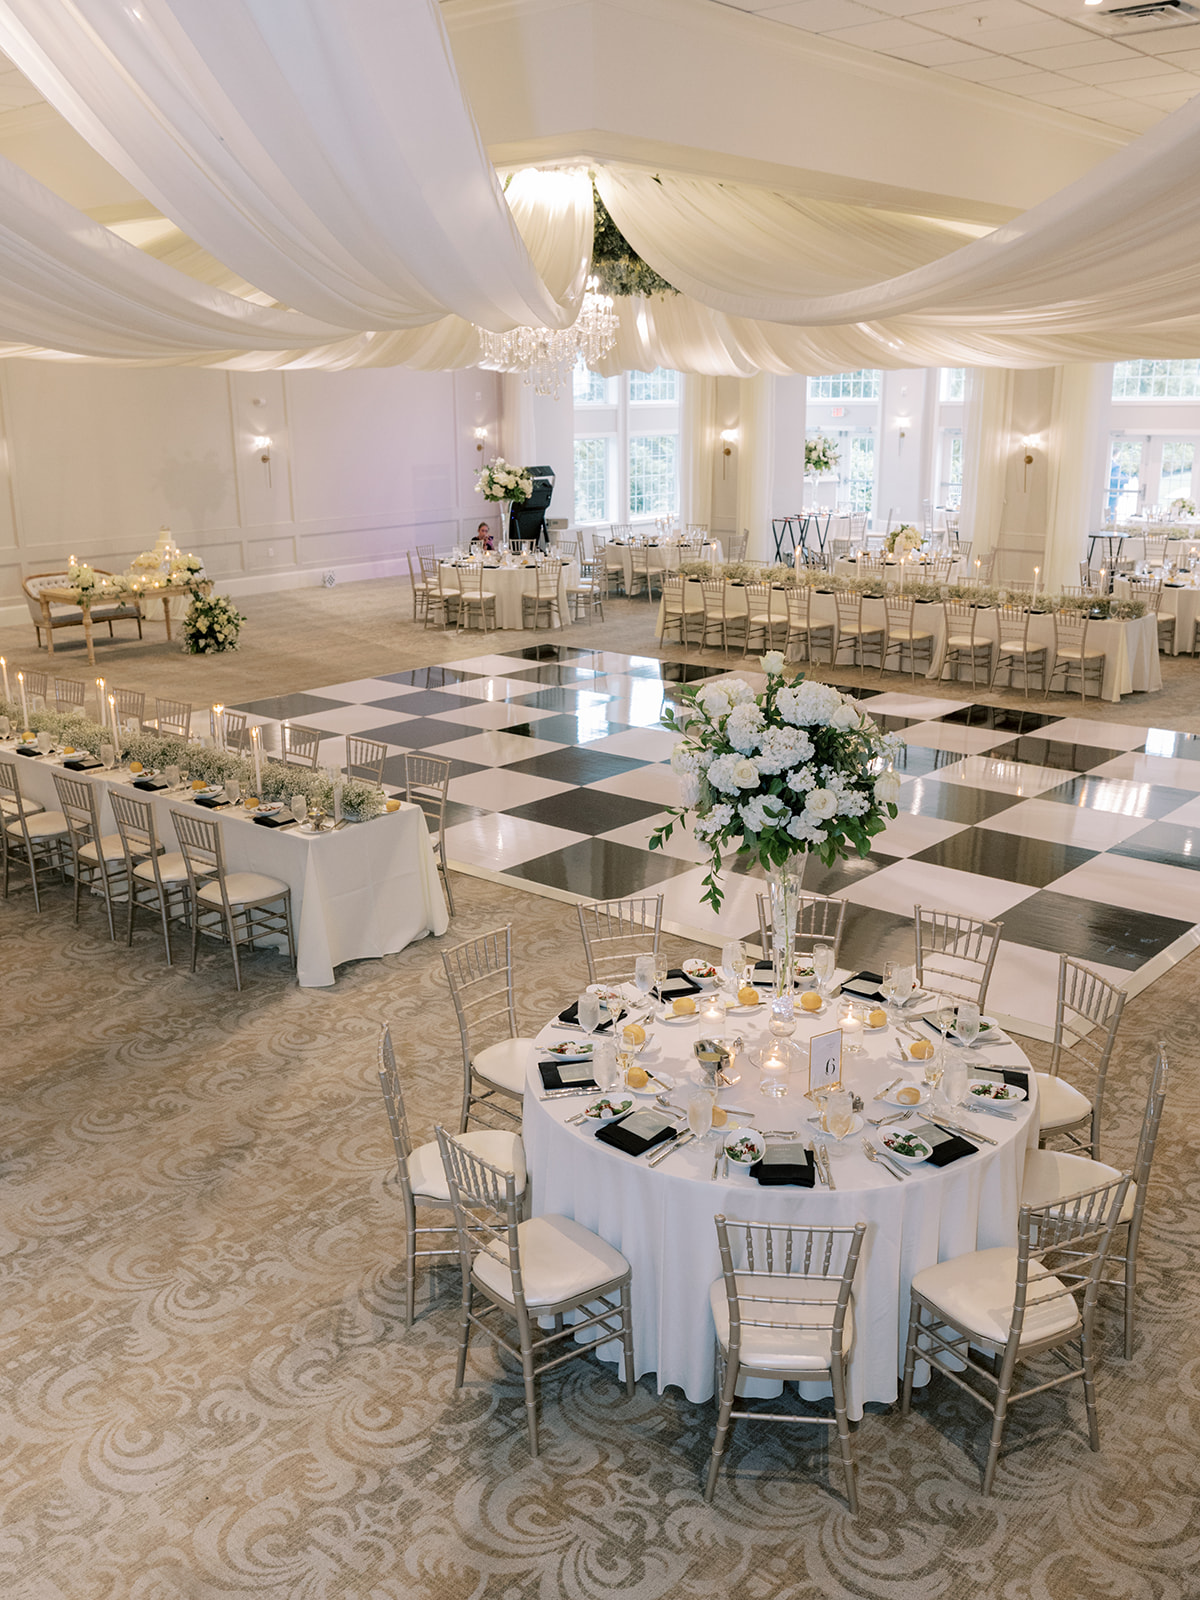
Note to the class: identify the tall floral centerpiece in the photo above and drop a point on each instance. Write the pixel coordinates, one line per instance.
(505, 486)
(905, 538)
(820, 457)
(796, 770)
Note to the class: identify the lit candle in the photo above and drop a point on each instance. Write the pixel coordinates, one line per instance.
(100, 699)
(256, 743)
(24, 701)
(712, 1016)
(72, 560)
(112, 722)
(977, 570)
(219, 726)
(4, 666)
(1037, 572)
(337, 797)
(1103, 579)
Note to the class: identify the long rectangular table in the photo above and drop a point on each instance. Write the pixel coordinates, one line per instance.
(367, 889)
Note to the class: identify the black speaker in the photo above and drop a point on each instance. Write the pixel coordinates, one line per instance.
(528, 522)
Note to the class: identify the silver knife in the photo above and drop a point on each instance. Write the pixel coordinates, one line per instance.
(985, 1108)
(817, 1167)
(672, 1145)
(963, 1133)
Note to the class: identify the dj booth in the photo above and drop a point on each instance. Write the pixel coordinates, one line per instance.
(527, 524)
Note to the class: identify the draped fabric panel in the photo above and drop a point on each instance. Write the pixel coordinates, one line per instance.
(1075, 470)
(698, 443)
(324, 152)
(987, 447)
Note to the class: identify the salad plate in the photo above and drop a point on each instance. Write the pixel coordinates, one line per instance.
(745, 1146)
(906, 1147)
(608, 1108)
(989, 1089)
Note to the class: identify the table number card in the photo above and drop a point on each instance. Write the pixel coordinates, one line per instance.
(825, 1060)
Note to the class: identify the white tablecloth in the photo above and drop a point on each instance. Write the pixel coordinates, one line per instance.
(662, 557)
(845, 568)
(367, 889)
(1183, 601)
(661, 1218)
(508, 584)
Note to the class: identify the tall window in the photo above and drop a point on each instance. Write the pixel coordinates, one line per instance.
(861, 385)
(860, 471)
(950, 469)
(626, 445)
(1175, 481)
(952, 384)
(1156, 380)
(591, 480)
(1124, 478)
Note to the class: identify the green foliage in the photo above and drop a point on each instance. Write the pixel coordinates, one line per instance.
(616, 263)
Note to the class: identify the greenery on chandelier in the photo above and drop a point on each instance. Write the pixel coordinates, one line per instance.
(156, 751)
(616, 263)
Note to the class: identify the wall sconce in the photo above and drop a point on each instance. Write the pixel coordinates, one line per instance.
(262, 443)
(903, 424)
(480, 439)
(729, 437)
(1030, 443)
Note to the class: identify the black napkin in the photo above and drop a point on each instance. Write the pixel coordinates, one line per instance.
(777, 1172)
(678, 983)
(865, 986)
(283, 820)
(552, 1077)
(152, 784)
(571, 1015)
(210, 802)
(1018, 1078)
(82, 763)
(943, 1147)
(638, 1132)
(28, 750)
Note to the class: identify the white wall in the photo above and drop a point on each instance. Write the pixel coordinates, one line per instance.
(363, 465)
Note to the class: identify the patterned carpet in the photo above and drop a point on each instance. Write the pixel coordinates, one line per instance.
(206, 1388)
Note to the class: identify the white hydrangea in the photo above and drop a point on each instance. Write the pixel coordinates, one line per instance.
(744, 726)
(783, 748)
(685, 759)
(802, 779)
(853, 803)
(717, 820)
(689, 790)
(808, 704)
(802, 827)
(746, 774)
(739, 691)
(764, 811)
(720, 773)
(821, 804)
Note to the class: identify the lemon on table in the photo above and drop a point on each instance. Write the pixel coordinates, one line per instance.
(685, 1006)
(68, 749)
(747, 995)
(199, 783)
(810, 1000)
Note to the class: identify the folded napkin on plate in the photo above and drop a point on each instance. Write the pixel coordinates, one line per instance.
(28, 750)
(152, 784)
(283, 820)
(944, 1147)
(571, 1017)
(555, 1077)
(678, 983)
(638, 1133)
(865, 986)
(790, 1166)
(82, 763)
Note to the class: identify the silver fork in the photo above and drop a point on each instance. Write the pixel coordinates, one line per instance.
(872, 1154)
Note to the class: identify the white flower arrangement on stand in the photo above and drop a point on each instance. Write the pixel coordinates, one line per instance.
(905, 538)
(821, 455)
(504, 485)
(1182, 508)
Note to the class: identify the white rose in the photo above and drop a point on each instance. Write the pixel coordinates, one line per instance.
(772, 662)
(887, 788)
(713, 700)
(821, 804)
(845, 717)
(745, 775)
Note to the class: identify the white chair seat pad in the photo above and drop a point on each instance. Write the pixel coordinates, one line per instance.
(44, 825)
(963, 641)
(915, 635)
(172, 868)
(505, 1063)
(797, 1349)
(1052, 1175)
(1060, 1104)
(243, 888)
(110, 846)
(493, 1145)
(560, 1260)
(1072, 652)
(9, 806)
(976, 1292)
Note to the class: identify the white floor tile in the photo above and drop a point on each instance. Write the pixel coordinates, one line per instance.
(1168, 771)
(1004, 777)
(1187, 815)
(656, 783)
(737, 918)
(362, 690)
(353, 719)
(496, 714)
(497, 688)
(494, 748)
(497, 790)
(1062, 824)
(490, 665)
(499, 841)
(681, 846)
(908, 834)
(1100, 735)
(906, 884)
(912, 705)
(1024, 986)
(953, 736)
(1139, 885)
(642, 744)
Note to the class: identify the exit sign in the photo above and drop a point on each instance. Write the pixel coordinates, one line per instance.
(838, 411)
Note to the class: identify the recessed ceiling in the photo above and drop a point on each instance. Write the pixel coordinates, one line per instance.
(1044, 52)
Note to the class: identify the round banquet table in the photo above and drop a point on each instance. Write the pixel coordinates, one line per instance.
(509, 583)
(661, 1218)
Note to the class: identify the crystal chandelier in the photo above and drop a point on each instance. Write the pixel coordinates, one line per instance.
(547, 357)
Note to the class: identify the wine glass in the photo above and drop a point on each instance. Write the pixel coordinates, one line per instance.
(233, 791)
(890, 973)
(588, 1012)
(661, 968)
(643, 974)
(733, 959)
(823, 965)
(839, 1112)
(967, 1026)
(946, 1014)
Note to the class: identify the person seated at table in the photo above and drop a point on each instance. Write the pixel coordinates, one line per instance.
(483, 538)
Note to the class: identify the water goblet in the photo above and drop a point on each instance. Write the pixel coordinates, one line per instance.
(699, 1111)
(606, 1068)
(643, 974)
(233, 791)
(5, 727)
(172, 775)
(108, 756)
(44, 742)
(954, 1082)
(299, 807)
(588, 1012)
(733, 960)
(837, 1112)
(967, 1025)
(823, 966)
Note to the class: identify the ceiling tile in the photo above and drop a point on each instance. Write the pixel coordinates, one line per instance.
(981, 16)
(1168, 102)
(1028, 36)
(1167, 42)
(1086, 53)
(1185, 83)
(1120, 71)
(1082, 98)
(1185, 60)
(992, 69)
(1035, 82)
(821, 16)
(940, 53)
(885, 35)
(1136, 119)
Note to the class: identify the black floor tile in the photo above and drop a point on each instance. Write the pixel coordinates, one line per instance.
(589, 723)
(575, 764)
(418, 733)
(818, 878)
(690, 672)
(1006, 719)
(393, 777)
(568, 700)
(557, 675)
(1120, 795)
(1089, 930)
(293, 706)
(859, 692)
(1172, 843)
(431, 677)
(953, 802)
(918, 760)
(599, 868)
(1166, 742)
(432, 703)
(1053, 753)
(871, 937)
(886, 723)
(1006, 856)
(549, 652)
(586, 811)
